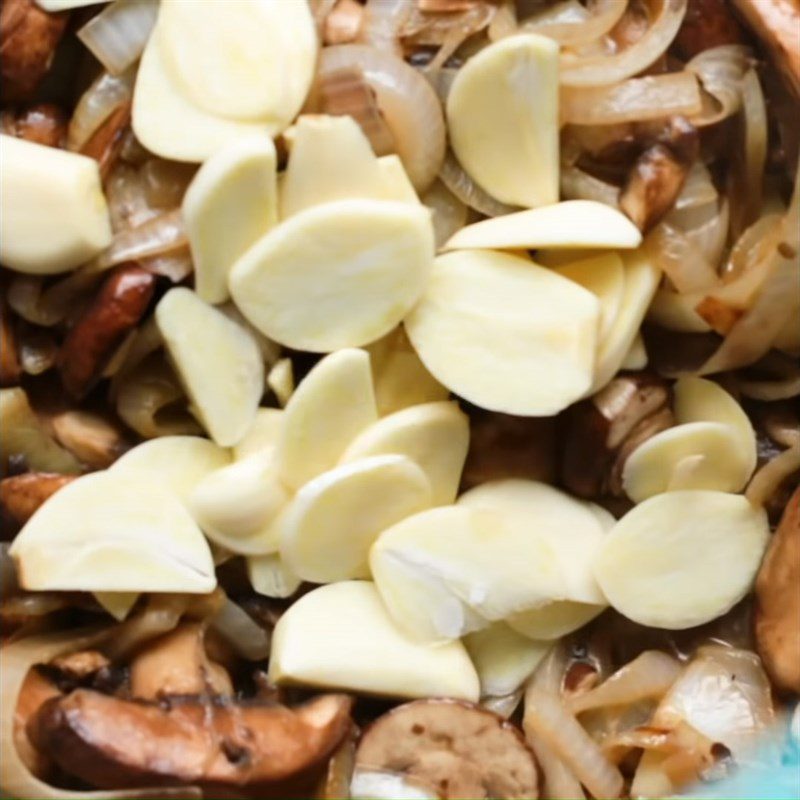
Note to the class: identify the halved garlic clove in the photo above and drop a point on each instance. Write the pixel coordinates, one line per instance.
(681, 559)
(113, 532)
(177, 462)
(569, 224)
(506, 334)
(329, 526)
(218, 362)
(330, 407)
(717, 461)
(502, 116)
(262, 436)
(340, 274)
(340, 636)
(230, 203)
(433, 435)
(270, 576)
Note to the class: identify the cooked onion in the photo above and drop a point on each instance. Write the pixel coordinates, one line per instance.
(720, 71)
(241, 632)
(382, 22)
(158, 236)
(127, 198)
(448, 212)
(47, 307)
(559, 781)
(579, 185)
(176, 266)
(468, 192)
(751, 184)
(504, 22)
(599, 70)
(570, 26)
(769, 478)
(682, 262)
(407, 101)
(117, 35)
(97, 104)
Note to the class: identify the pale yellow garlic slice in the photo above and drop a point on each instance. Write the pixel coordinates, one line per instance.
(331, 159)
(240, 59)
(330, 407)
(682, 559)
(400, 378)
(329, 526)
(433, 435)
(503, 658)
(177, 462)
(113, 532)
(118, 604)
(270, 576)
(506, 334)
(603, 276)
(341, 637)
(337, 275)
(450, 570)
(262, 436)
(637, 355)
(218, 362)
(554, 620)
(168, 124)
(281, 380)
(571, 224)
(230, 203)
(502, 118)
(652, 467)
(235, 505)
(396, 183)
(53, 213)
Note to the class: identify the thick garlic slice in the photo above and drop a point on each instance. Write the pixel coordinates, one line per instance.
(433, 435)
(218, 362)
(330, 407)
(503, 658)
(570, 224)
(262, 436)
(340, 637)
(716, 461)
(450, 570)
(329, 526)
(270, 576)
(113, 532)
(240, 59)
(681, 559)
(506, 334)
(177, 462)
(53, 214)
(502, 117)
(337, 275)
(230, 203)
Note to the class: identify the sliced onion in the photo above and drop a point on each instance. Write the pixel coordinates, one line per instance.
(468, 192)
(720, 71)
(241, 632)
(117, 35)
(682, 262)
(546, 718)
(710, 237)
(636, 99)
(570, 26)
(769, 478)
(126, 193)
(599, 70)
(751, 184)
(382, 22)
(448, 212)
(52, 305)
(177, 266)
(96, 105)
(698, 191)
(504, 22)
(579, 185)
(163, 234)
(320, 9)
(165, 182)
(783, 386)
(559, 780)
(407, 101)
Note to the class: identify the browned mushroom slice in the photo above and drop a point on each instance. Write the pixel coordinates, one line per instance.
(21, 495)
(35, 691)
(777, 618)
(113, 743)
(43, 123)
(458, 749)
(81, 665)
(93, 439)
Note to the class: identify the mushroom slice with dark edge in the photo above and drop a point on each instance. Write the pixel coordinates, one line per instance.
(22, 495)
(114, 743)
(456, 748)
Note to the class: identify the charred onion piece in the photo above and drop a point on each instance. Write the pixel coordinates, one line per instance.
(119, 305)
(707, 24)
(777, 618)
(113, 743)
(21, 495)
(43, 123)
(456, 748)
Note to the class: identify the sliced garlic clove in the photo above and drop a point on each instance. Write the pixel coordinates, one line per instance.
(270, 576)
(218, 362)
(332, 405)
(637, 355)
(53, 213)
(569, 224)
(433, 435)
(340, 637)
(502, 118)
(554, 620)
(329, 526)
(240, 59)
(396, 183)
(113, 532)
(506, 334)
(503, 658)
(651, 468)
(682, 559)
(177, 462)
(341, 274)
(281, 380)
(230, 203)
(448, 571)
(262, 436)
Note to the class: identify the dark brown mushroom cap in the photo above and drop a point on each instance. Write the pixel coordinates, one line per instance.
(456, 748)
(113, 743)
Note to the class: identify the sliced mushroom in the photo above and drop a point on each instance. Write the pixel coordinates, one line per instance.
(43, 123)
(10, 367)
(94, 439)
(456, 748)
(35, 691)
(113, 743)
(706, 24)
(21, 495)
(777, 618)
(81, 665)
(95, 337)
